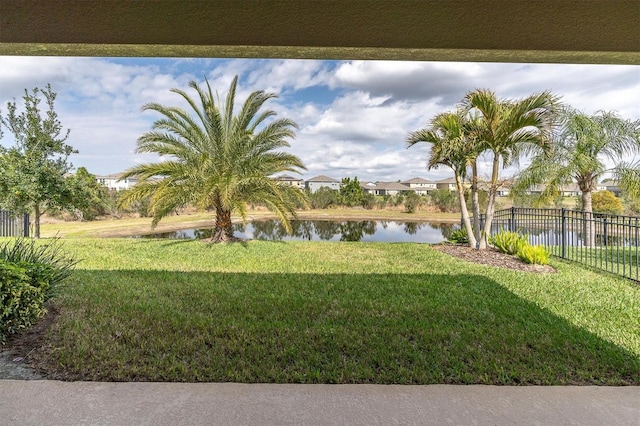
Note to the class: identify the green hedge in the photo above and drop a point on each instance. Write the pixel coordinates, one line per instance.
(21, 298)
(29, 275)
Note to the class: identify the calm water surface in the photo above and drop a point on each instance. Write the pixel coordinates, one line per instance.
(325, 230)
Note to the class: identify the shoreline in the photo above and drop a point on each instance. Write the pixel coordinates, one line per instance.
(133, 227)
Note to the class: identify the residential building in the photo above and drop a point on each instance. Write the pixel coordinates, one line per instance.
(420, 186)
(291, 181)
(447, 183)
(611, 185)
(318, 182)
(113, 181)
(570, 190)
(368, 187)
(390, 188)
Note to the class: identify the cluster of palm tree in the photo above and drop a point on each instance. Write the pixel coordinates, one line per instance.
(217, 160)
(221, 161)
(564, 145)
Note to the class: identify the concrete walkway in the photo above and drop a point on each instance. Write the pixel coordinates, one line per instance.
(43, 402)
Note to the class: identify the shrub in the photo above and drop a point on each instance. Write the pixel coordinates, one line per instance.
(42, 262)
(508, 242)
(323, 198)
(369, 201)
(459, 236)
(412, 202)
(445, 200)
(21, 299)
(534, 254)
(606, 202)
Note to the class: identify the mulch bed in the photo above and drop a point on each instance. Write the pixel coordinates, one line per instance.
(491, 257)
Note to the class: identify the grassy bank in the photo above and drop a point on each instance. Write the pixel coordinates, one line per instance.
(315, 312)
(137, 226)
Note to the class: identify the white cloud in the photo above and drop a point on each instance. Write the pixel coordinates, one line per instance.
(353, 116)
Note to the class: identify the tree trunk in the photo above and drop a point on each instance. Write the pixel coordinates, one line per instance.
(589, 226)
(493, 189)
(36, 220)
(474, 200)
(466, 220)
(223, 229)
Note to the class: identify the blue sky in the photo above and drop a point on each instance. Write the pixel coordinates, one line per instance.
(353, 116)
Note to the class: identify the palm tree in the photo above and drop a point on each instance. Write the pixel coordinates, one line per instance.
(507, 129)
(584, 145)
(217, 160)
(451, 147)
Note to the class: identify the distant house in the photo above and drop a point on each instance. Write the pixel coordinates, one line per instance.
(448, 183)
(503, 190)
(420, 186)
(114, 182)
(567, 190)
(611, 185)
(570, 190)
(291, 181)
(390, 188)
(368, 187)
(318, 182)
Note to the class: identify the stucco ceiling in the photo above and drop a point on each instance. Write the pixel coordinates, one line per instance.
(576, 31)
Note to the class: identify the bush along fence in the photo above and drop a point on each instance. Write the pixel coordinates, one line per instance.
(12, 225)
(603, 241)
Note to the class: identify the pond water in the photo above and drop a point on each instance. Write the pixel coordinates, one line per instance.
(325, 230)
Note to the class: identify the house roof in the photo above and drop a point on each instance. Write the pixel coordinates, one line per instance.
(286, 177)
(447, 180)
(392, 186)
(115, 176)
(322, 178)
(417, 180)
(570, 187)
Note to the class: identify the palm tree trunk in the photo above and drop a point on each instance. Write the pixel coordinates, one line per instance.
(493, 189)
(588, 223)
(466, 220)
(223, 229)
(474, 200)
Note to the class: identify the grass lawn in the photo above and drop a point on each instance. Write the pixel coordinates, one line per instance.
(318, 312)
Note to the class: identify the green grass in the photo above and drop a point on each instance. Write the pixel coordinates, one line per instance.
(317, 312)
(622, 261)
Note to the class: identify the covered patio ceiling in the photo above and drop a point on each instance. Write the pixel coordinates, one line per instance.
(555, 31)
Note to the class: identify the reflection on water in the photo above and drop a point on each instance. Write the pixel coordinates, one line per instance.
(326, 230)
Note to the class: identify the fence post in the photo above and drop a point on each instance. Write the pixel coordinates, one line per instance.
(564, 233)
(604, 220)
(25, 221)
(512, 222)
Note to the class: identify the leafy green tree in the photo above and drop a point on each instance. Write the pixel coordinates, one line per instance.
(450, 147)
(580, 152)
(351, 193)
(32, 170)
(217, 160)
(508, 129)
(87, 198)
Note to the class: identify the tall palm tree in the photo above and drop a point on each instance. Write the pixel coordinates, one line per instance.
(451, 147)
(584, 145)
(217, 160)
(507, 129)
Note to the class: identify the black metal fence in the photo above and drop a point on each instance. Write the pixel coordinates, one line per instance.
(603, 241)
(12, 225)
